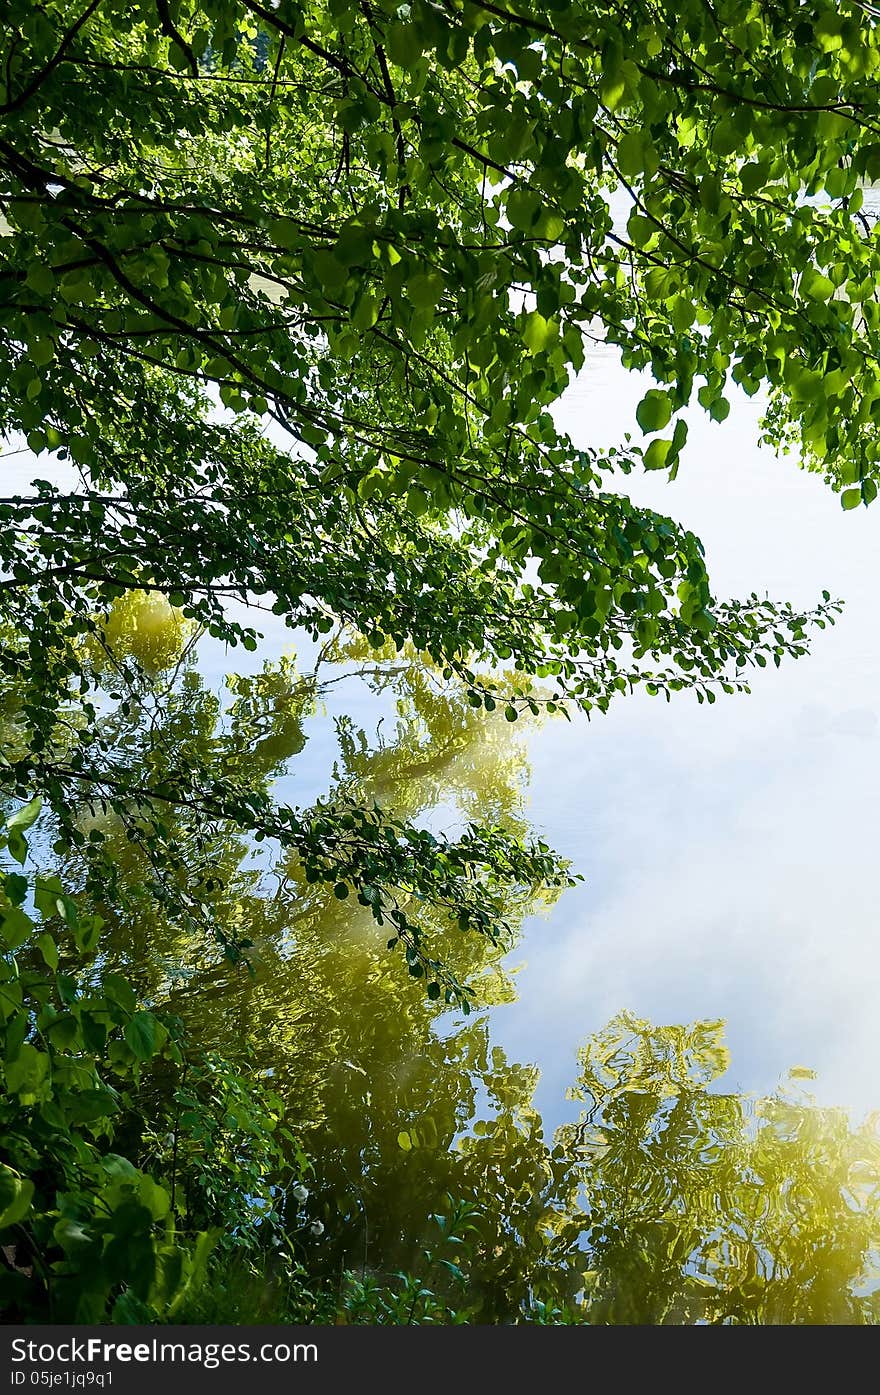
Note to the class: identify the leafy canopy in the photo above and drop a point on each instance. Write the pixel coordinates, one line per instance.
(296, 286)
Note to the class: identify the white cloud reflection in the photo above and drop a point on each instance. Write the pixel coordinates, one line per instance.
(730, 851)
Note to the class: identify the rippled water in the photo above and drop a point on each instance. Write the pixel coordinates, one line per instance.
(728, 853)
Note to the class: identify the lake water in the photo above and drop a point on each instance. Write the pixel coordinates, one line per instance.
(728, 851)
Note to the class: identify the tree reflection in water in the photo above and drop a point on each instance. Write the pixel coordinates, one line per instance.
(668, 1201)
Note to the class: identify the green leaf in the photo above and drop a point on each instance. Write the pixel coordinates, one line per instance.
(366, 313)
(87, 1106)
(155, 1198)
(195, 1267)
(551, 225)
(87, 932)
(662, 283)
(26, 1074)
(631, 153)
(16, 844)
(417, 501)
(119, 1167)
(72, 1236)
(330, 272)
(404, 44)
(815, 285)
(49, 950)
(654, 410)
(524, 208)
(612, 88)
(42, 350)
(141, 1035)
(851, 498)
(425, 289)
(15, 926)
(657, 454)
(286, 232)
(26, 816)
(120, 991)
(40, 279)
(15, 886)
(50, 898)
(16, 1194)
(539, 334)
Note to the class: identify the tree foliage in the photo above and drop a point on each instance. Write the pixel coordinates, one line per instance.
(295, 287)
(87, 1233)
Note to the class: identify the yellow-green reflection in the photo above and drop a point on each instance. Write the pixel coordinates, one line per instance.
(706, 1206)
(670, 1201)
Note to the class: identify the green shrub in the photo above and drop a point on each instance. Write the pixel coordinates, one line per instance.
(89, 1233)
